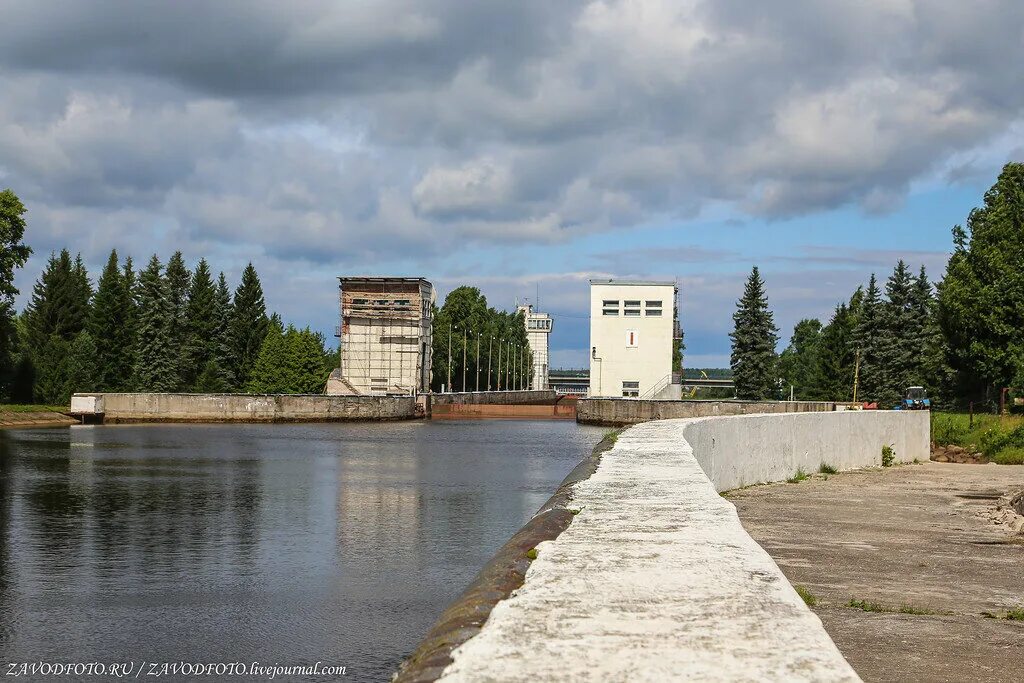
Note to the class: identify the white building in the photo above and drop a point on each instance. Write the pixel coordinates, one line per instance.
(538, 330)
(632, 327)
(385, 332)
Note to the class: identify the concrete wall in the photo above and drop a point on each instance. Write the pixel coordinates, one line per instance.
(253, 408)
(617, 412)
(529, 397)
(655, 577)
(741, 450)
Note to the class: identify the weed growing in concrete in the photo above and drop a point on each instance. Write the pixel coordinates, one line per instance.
(798, 477)
(575, 511)
(612, 435)
(1016, 614)
(825, 468)
(876, 607)
(888, 456)
(531, 554)
(808, 597)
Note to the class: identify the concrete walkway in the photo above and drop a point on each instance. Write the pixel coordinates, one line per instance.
(922, 538)
(654, 580)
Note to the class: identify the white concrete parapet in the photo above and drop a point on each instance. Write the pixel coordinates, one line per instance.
(656, 579)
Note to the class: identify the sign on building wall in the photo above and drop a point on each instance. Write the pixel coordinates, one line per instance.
(632, 339)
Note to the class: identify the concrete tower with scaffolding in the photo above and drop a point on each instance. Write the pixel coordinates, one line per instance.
(538, 330)
(385, 334)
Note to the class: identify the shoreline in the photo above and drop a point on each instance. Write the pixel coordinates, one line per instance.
(505, 572)
(48, 418)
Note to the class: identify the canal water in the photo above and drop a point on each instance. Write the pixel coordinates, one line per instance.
(277, 544)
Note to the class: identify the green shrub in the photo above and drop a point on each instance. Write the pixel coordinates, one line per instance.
(1009, 456)
(825, 468)
(798, 477)
(809, 598)
(888, 456)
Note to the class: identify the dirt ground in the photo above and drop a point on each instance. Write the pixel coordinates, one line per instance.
(923, 538)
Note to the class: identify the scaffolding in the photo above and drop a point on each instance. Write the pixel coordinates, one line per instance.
(385, 335)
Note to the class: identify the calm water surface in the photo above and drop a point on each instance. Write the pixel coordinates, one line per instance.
(284, 544)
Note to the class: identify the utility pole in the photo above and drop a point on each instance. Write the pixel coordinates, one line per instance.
(449, 356)
(856, 375)
(490, 349)
(508, 369)
(465, 340)
(501, 343)
(478, 361)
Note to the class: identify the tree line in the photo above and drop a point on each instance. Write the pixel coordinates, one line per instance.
(961, 338)
(164, 328)
(479, 340)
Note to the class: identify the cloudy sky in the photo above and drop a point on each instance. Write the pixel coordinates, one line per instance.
(513, 144)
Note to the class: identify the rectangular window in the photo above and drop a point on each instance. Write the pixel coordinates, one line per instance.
(609, 307)
(631, 309)
(631, 389)
(654, 308)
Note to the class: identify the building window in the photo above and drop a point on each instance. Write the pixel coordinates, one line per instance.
(631, 309)
(631, 389)
(610, 307)
(654, 308)
(359, 302)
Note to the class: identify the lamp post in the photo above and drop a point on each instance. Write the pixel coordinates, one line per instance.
(490, 348)
(501, 343)
(449, 357)
(478, 335)
(465, 339)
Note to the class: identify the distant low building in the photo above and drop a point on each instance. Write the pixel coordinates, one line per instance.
(538, 331)
(385, 333)
(632, 328)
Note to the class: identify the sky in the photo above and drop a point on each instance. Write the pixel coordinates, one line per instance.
(513, 146)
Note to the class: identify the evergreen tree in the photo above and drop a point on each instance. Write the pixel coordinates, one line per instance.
(270, 373)
(13, 255)
(754, 361)
(24, 370)
(60, 301)
(223, 348)
(83, 369)
(869, 339)
(177, 280)
(799, 363)
(249, 325)
(51, 371)
(979, 302)
(901, 334)
(211, 380)
(131, 305)
(931, 350)
(111, 329)
(156, 367)
(201, 321)
(836, 355)
(306, 353)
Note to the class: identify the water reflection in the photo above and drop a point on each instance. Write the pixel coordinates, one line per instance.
(271, 543)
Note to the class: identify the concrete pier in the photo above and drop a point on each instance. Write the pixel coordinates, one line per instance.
(655, 579)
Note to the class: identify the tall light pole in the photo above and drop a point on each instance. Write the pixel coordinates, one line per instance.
(490, 348)
(449, 356)
(501, 343)
(465, 340)
(508, 363)
(478, 335)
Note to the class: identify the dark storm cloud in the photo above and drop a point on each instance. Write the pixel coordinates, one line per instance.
(350, 132)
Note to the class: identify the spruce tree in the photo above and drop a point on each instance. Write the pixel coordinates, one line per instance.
(754, 361)
(60, 301)
(51, 371)
(156, 367)
(900, 337)
(836, 355)
(869, 339)
(111, 330)
(270, 373)
(83, 370)
(201, 325)
(131, 306)
(223, 349)
(13, 255)
(306, 360)
(249, 324)
(178, 280)
(799, 365)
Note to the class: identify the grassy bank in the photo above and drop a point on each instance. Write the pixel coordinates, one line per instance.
(31, 408)
(1000, 439)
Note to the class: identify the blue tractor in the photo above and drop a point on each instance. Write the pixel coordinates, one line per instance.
(916, 399)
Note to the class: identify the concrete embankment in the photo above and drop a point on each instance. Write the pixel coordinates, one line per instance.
(10, 420)
(116, 408)
(655, 579)
(620, 412)
(503, 404)
(522, 398)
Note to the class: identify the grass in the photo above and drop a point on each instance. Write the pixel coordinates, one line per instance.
(531, 554)
(798, 477)
(31, 408)
(1013, 455)
(1000, 439)
(807, 596)
(825, 468)
(888, 456)
(612, 435)
(1016, 614)
(877, 607)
